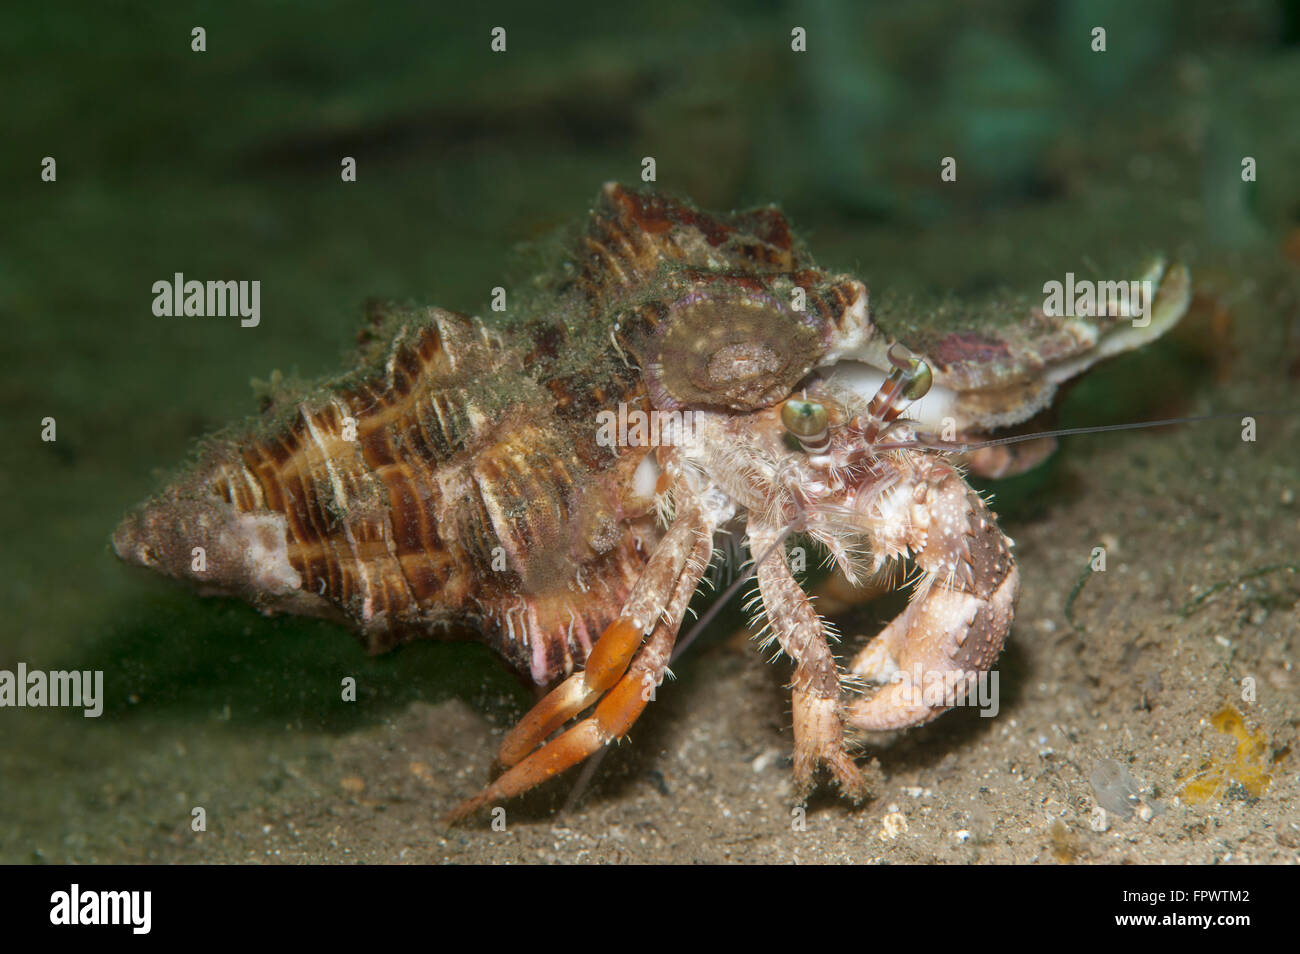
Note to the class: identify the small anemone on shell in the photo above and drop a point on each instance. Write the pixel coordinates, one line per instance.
(728, 344)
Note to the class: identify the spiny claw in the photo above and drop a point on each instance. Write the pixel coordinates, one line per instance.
(955, 626)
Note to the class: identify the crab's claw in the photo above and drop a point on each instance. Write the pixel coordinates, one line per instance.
(932, 653)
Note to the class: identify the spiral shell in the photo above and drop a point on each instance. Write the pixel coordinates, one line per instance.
(455, 480)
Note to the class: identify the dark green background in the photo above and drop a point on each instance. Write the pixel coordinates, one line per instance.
(225, 164)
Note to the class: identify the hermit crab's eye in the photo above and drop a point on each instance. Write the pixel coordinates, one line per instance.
(915, 373)
(808, 422)
(804, 418)
(916, 384)
(909, 381)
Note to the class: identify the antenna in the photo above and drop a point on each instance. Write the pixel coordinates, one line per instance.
(931, 443)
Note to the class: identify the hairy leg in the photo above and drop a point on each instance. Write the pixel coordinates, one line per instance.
(815, 689)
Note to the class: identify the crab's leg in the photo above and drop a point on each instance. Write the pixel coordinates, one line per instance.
(614, 650)
(960, 613)
(661, 596)
(1007, 460)
(606, 664)
(614, 715)
(818, 729)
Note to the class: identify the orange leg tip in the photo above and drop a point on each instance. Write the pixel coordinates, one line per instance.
(608, 661)
(559, 705)
(612, 653)
(550, 760)
(462, 811)
(614, 715)
(624, 704)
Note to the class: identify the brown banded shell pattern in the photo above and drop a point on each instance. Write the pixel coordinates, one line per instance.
(454, 484)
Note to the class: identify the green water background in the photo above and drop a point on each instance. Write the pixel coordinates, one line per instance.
(225, 164)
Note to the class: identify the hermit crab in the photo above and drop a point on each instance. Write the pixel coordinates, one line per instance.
(553, 482)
